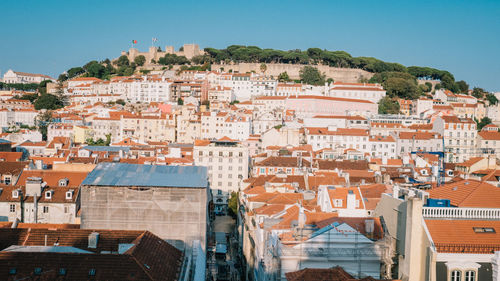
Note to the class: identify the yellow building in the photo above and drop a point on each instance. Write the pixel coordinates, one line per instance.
(82, 133)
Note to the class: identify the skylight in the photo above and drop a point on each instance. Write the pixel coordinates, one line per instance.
(484, 230)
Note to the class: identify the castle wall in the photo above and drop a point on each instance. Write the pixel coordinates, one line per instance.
(348, 75)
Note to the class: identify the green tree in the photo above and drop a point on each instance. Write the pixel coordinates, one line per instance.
(283, 77)
(329, 81)
(462, 86)
(263, 67)
(140, 60)
(232, 204)
(122, 61)
(311, 75)
(388, 106)
(492, 99)
(42, 87)
(402, 88)
(75, 71)
(42, 121)
(48, 101)
(484, 121)
(180, 101)
(120, 101)
(478, 93)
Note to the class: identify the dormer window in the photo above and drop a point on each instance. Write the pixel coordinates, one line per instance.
(69, 194)
(63, 182)
(48, 194)
(15, 193)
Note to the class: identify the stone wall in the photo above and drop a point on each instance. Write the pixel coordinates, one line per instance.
(348, 75)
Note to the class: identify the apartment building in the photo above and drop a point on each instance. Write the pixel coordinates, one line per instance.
(329, 137)
(227, 161)
(15, 77)
(358, 91)
(160, 127)
(407, 142)
(459, 137)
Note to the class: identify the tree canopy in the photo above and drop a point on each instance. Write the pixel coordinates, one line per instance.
(48, 101)
(484, 121)
(311, 75)
(388, 106)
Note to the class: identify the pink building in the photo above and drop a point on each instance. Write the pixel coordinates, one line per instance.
(309, 106)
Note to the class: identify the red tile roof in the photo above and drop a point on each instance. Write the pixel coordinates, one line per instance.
(459, 236)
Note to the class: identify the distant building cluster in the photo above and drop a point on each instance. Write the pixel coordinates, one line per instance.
(130, 179)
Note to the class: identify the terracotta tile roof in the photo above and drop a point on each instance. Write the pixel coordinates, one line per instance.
(358, 224)
(12, 168)
(455, 119)
(330, 165)
(468, 193)
(489, 135)
(459, 236)
(338, 132)
(292, 215)
(330, 99)
(470, 162)
(418, 135)
(323, 274)
(275, 161)
(10, 156)
(149, 258)
(52, 177)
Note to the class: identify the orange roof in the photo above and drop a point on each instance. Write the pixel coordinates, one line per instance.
(470, 162)
(460, 236)
(468, 193)
(10, 156)
(489, 135)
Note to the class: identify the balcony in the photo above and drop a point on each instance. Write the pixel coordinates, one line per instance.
(460, 213)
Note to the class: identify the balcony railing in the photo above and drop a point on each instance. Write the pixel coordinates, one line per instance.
(460, 213)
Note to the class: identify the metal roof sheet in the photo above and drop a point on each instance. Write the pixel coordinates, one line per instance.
(124, 174)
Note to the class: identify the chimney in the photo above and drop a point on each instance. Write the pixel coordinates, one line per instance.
(93, 240)
(351, 200)
(34, 186)
(369, 226)
(302, 218)
(384, 160)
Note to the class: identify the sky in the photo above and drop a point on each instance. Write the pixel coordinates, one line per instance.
(462, 37)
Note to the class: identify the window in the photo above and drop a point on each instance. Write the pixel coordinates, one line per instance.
(470, 275)
(66, 209)
(92, 272)
(45, 209)
(12, 208)
(456, 275)
(62, 271)
(12, 271)
(484, 230)
(38, 270)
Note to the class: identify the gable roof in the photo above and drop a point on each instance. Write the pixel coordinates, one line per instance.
(458, 236)
(468, 193)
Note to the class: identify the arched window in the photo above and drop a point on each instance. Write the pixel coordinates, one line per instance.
(456, 275)
(470, 275)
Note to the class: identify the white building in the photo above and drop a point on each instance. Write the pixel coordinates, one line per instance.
(14, 77)
(459, 136)
(321, 138)
(359, 91)
(227, 162)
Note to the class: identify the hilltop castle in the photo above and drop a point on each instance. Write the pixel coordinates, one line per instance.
(187, 50)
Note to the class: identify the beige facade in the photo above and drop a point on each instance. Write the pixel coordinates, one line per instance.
(349, 75)
(189, 51)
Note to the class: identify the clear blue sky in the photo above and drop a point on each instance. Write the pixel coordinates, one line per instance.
(462, 37)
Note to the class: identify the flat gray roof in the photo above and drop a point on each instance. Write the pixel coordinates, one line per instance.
(123, 174)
